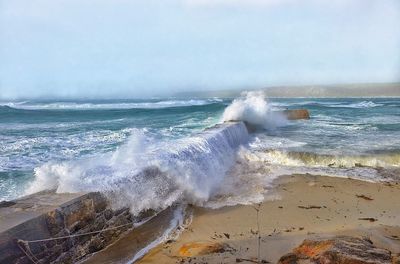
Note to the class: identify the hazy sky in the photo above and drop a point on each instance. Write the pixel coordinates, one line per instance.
(138, 48)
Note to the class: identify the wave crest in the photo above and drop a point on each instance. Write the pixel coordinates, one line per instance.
(293, 158)
(363, 104)
(26, 105)
(146, 173)
(253, 108)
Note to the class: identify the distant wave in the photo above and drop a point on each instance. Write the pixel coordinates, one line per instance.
(304, 103)
(254, 101)
(363, 104)
(13, 104)
(5, 107)
(117, 105)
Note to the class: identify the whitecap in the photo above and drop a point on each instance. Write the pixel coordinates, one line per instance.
(253, 108)
(363, 104)
(148, 173)
(103, 105)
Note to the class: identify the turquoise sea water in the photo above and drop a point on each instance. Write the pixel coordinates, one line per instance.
(357, 137)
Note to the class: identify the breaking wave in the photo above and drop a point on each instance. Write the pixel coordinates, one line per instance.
(147, 173)
(332, 104)
(363, 104)
(253, 108)
(322, 160)
(262, 167)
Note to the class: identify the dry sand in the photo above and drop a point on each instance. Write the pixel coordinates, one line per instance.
(308, 206)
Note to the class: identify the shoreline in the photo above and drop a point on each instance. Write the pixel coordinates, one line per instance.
(296, 207)
(308, 207)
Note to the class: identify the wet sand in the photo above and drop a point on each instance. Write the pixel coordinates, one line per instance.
(305, 206)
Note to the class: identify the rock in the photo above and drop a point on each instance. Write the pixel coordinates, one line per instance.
(7, 203)
(99, 222)
(79, 214)
(341, 250)
(55, 221)
(65, 258)
(108, 214)
(396, 259)
(96, 244)
(297, 114)
(51, 215)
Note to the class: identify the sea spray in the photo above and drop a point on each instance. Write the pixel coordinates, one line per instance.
(253, 108)
(149, 173)
(346, 137)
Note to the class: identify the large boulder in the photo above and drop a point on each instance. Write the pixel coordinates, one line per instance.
(337, 250)
(295, 114)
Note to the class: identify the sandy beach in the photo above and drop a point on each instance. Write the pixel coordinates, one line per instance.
(305, 206)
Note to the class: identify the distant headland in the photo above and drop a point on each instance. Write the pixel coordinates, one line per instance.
(320, 91)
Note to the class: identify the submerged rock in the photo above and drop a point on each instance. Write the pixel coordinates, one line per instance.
(338, 250)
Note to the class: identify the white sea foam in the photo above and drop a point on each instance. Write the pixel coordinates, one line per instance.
(251, 179)
(282, 157)
(253, 108)
(120, 105)
(363, 104)
(261, 141)
(270, 164)
(56, 125)
(146, 173)
(26, 153)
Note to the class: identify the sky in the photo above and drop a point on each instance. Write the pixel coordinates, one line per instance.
(145, 48)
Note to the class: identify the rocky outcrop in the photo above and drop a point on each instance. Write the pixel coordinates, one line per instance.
(296, 114)
(338, 250)
(42, 217)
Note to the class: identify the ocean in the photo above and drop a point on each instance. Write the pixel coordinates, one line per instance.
(150, 154)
